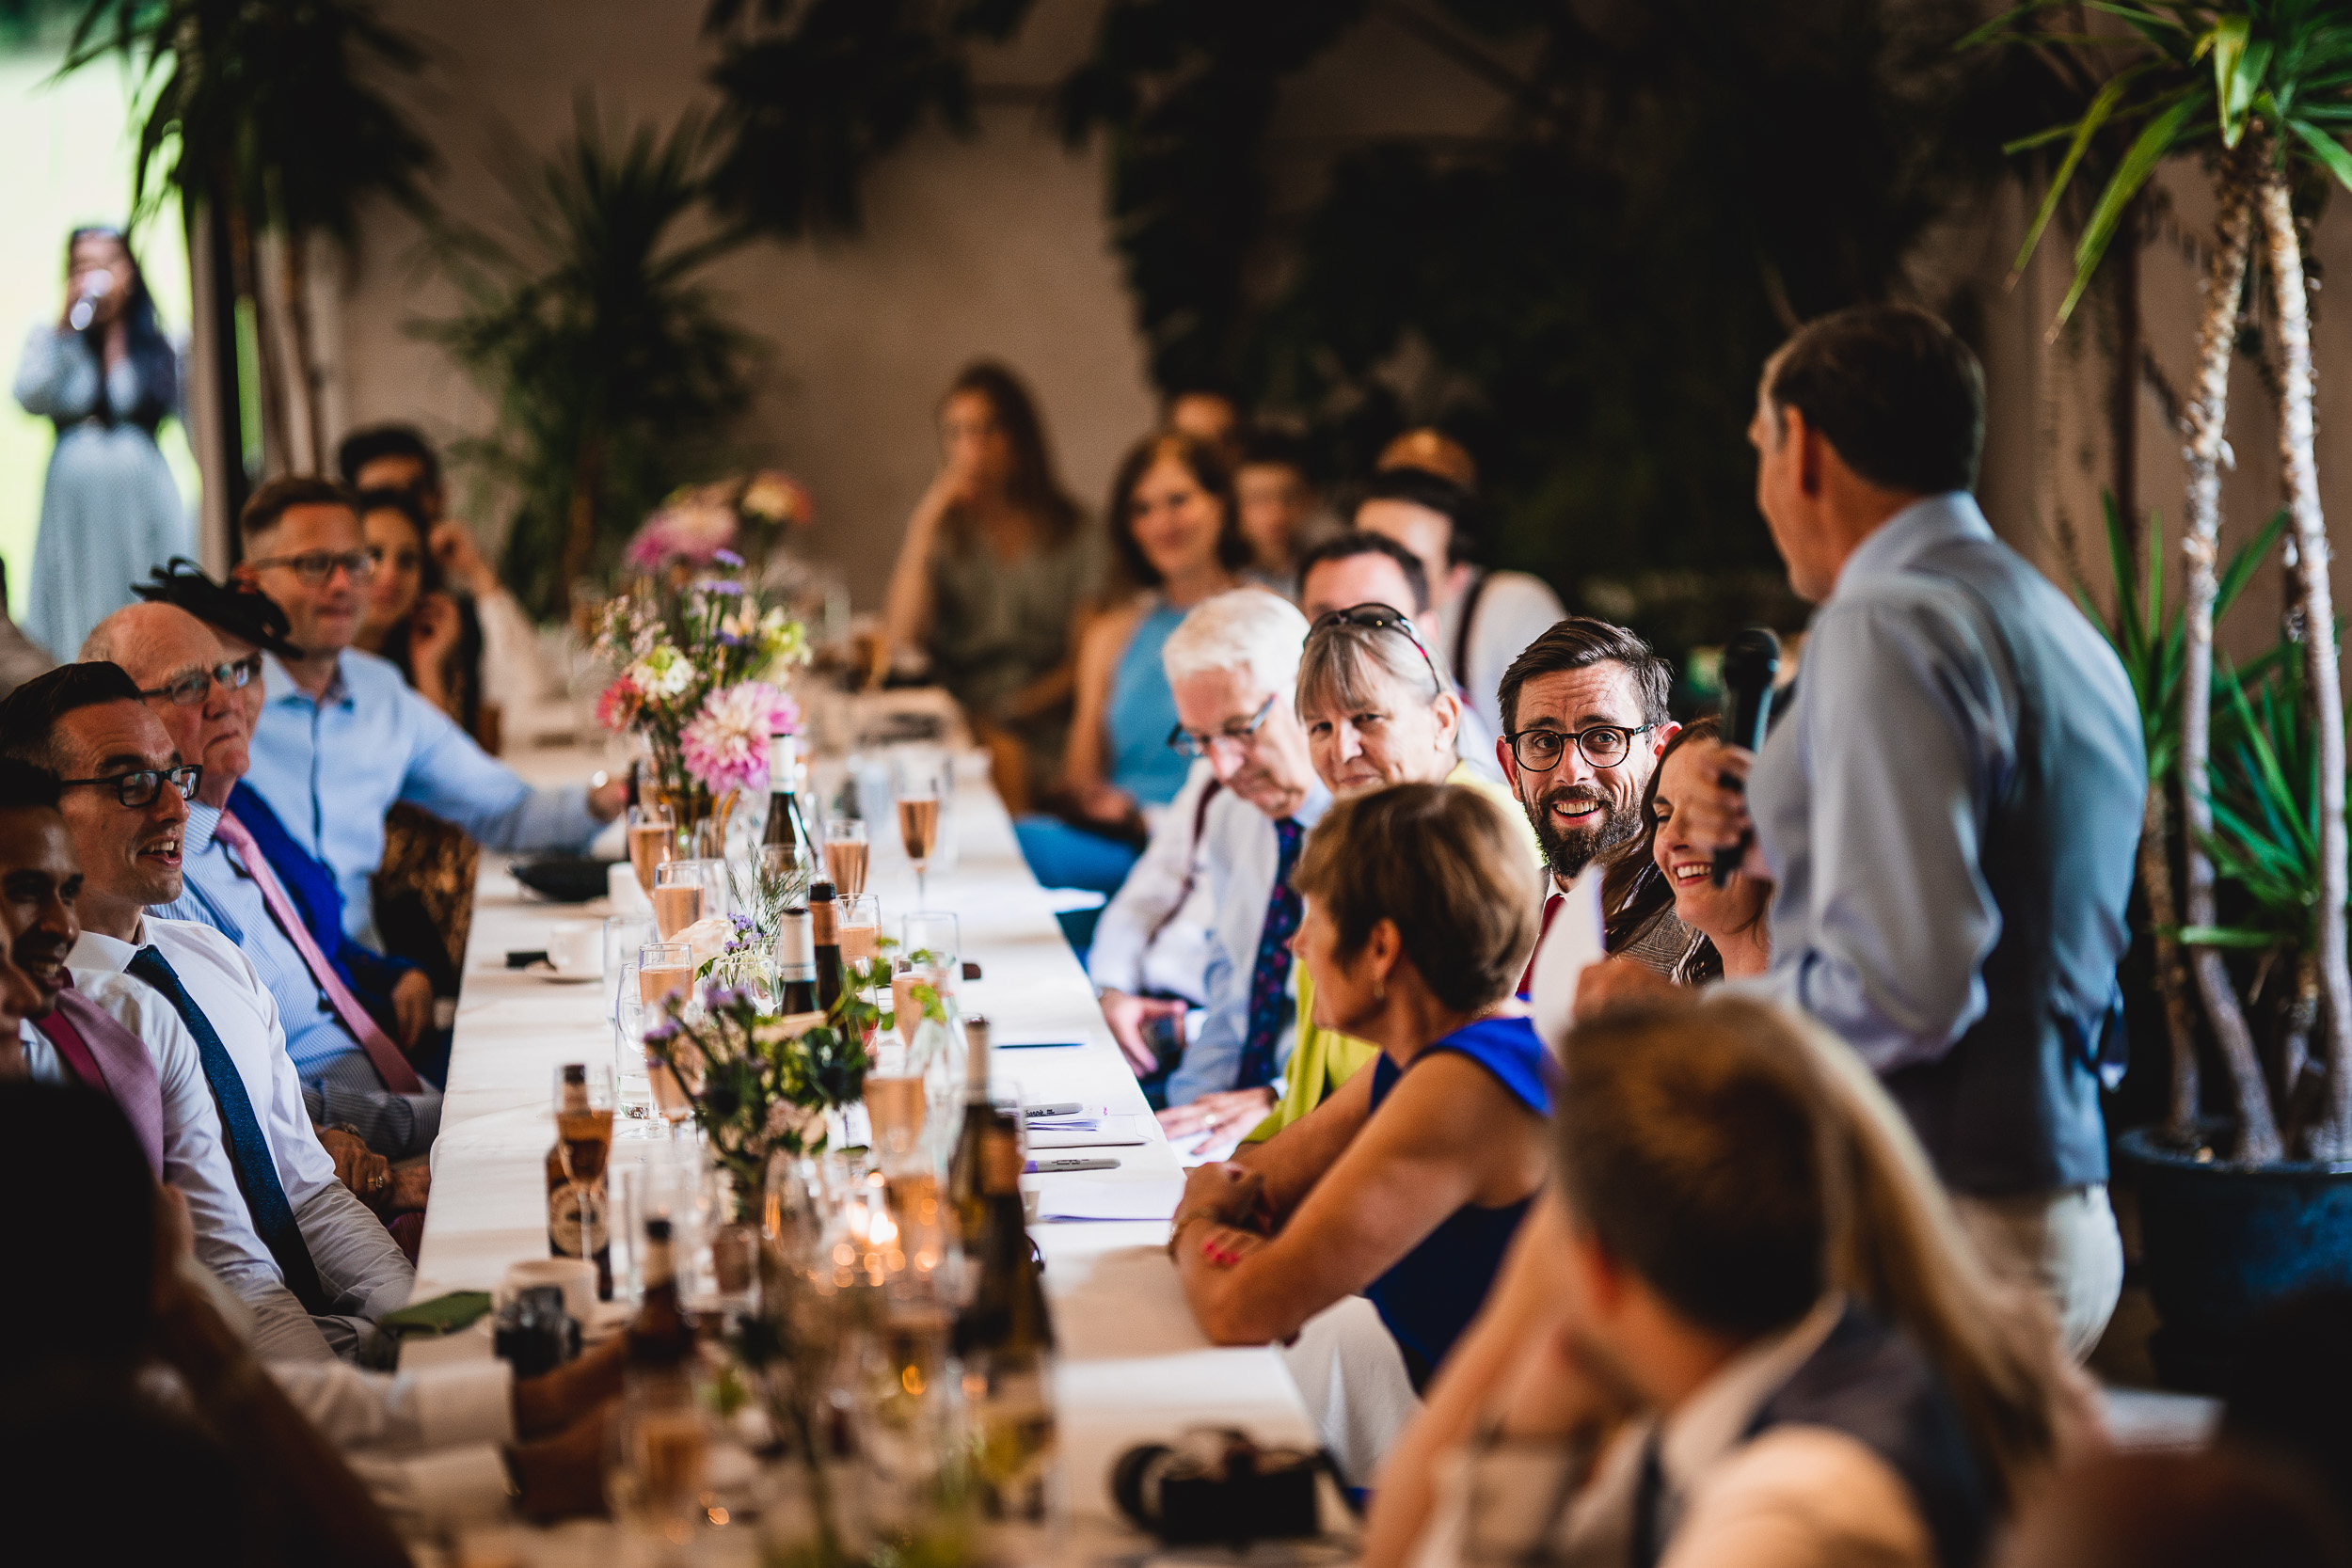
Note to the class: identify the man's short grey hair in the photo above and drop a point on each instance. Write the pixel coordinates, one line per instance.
(1247, 628)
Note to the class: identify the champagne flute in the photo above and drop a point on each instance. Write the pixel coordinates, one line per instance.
(846, 854)
(859, 927)
(663, 970)
(918, 785)
(679, 889)
(652, 840)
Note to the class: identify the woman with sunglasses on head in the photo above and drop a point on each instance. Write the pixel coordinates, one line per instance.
(103, 372)
(1176, 535)
(1378, 710)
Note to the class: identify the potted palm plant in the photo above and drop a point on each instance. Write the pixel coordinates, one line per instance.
(2237, 1213)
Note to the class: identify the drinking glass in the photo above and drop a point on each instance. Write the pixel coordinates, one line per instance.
(713, 871)
(860, 929)
(678, 892)
(919, 781)
(632, 1089)
(846, 854)
(929, 941)
(583, 1137)
(652, 840)
(622, 936)
(664, 969)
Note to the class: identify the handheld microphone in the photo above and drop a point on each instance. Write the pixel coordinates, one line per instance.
(85, 304)
(1751, 660)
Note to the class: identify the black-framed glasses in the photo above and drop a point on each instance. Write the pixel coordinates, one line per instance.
(192, 687)
(139, 787)
(1191, 743)
(1603, 745)
(315, 567)
(1381, 617)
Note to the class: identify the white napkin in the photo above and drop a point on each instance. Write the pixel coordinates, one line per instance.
(1109, 1200)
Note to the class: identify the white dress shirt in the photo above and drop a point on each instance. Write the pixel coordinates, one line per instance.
(1239, 854)
(362, 1269)
(1154, 937)
(1575, 939)
(425, 1443)
(196, 1159)
(1513, 610)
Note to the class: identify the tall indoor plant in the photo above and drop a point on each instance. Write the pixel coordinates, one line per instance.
(614, 372)
(2259, 92)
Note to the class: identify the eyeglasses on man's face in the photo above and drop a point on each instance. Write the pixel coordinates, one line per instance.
(191, 689)
(1383, 618)
(315, 567)
(1603, 745)
(1192, 743)
(138, 789)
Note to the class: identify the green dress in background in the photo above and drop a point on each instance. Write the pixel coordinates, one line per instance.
(997, 625)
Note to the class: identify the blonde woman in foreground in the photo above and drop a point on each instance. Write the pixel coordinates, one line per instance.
(1742, 1327)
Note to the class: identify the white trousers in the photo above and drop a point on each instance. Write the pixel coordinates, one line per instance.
(2064, 1241)
(1352, 1379)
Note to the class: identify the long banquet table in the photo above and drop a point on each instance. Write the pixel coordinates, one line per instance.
(1132, 1366)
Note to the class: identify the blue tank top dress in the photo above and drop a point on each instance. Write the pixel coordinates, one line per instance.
(1429, 1296)
(1141, 711)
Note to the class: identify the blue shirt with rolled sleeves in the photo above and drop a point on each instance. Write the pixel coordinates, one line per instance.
(331, 767)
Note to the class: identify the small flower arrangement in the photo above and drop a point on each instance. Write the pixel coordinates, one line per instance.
(702, 661)
(742, 514)
(761, 1084)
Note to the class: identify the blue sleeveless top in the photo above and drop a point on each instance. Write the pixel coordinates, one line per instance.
(1140, 712)
(1429, 1296)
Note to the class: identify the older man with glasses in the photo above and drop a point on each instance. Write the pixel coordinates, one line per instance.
(274, 987)
(342, 735)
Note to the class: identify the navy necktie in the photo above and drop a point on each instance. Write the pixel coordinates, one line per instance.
(1649, 1499)
(1270, 1004)
(249, 1150)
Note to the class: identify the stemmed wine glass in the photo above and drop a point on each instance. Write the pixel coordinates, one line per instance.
(920, 783)
(846, 853)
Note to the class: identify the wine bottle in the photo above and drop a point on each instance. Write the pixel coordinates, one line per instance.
(1004, 1344)
(659, 1336)
(576, 1204)
(824, 929)
(796, 963)
(967, 1184)
(787, 841)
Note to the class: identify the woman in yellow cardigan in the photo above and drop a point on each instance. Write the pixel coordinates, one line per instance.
(1377, 711)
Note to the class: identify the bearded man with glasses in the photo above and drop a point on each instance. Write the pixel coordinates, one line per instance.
(342, 737)
(1584, 720)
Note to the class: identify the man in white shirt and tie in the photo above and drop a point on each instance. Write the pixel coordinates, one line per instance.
(1232, 665)
(128, 819)
(172, 1104)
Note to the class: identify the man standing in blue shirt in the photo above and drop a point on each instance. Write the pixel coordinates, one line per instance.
(342, 735)
(1949, 810)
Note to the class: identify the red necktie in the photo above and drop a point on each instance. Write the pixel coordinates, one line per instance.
(69, 1044)
(1552, 906)
(391, 1065)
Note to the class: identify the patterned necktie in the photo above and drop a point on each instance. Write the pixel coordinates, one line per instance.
(1270, 1004)
(248, 1152)
(391, 1065)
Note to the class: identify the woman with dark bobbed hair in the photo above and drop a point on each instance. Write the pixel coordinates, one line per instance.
(1407, 1182)
(103, 372)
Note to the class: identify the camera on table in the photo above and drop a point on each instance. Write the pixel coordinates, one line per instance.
(535, 1333)
(1216, 1484)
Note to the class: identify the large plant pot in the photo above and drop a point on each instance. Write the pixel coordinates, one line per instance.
(2223, 1243)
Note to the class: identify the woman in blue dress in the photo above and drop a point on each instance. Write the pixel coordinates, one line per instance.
(1176, 535)
(110, 510)
(1409, 1181)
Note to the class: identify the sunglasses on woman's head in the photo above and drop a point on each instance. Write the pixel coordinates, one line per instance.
(1380, 617)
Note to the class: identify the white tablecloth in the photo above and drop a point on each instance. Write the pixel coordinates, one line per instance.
(1134, 1367)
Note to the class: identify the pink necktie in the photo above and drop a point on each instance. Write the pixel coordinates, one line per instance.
(391, 1065)
(1527, 981)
